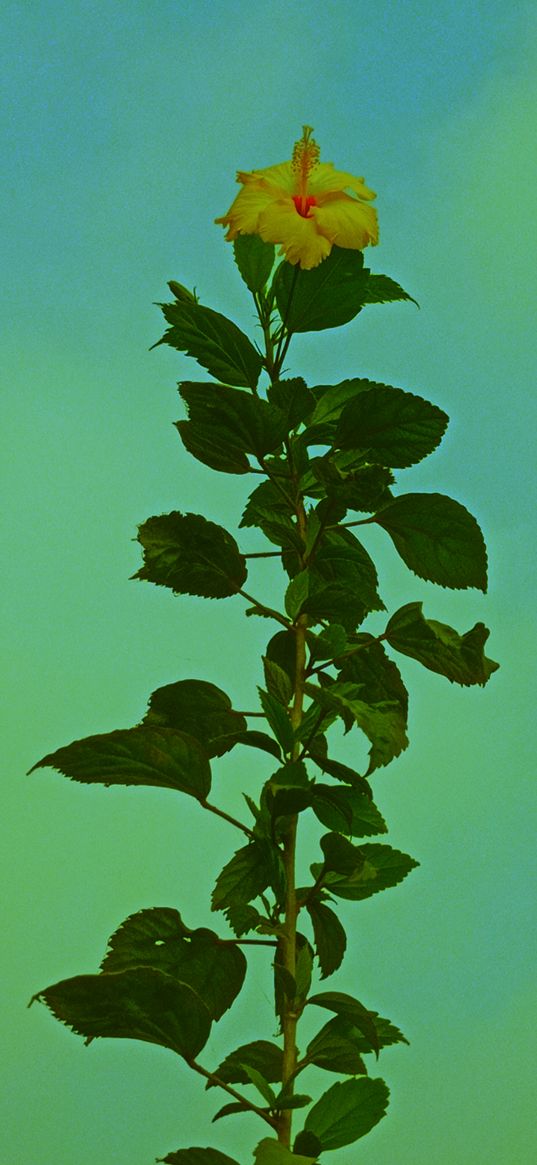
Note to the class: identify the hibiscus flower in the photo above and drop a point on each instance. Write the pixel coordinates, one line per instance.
(305, 205)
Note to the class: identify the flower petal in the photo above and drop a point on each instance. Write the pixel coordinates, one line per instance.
(300, 241)
(243, 214)
(281, 177)
(346, 222)
(324, 179)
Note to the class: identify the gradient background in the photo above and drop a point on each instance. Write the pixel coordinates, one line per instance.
(124, 125)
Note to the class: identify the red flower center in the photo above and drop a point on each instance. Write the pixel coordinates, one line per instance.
(303, 203)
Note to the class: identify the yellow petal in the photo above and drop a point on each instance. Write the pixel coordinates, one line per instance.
(346, 222)
(243, 214)
(300, 241)
(324, 179)
(280, 177)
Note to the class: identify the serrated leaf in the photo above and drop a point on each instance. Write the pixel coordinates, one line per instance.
(382, 289)
(347, 1111)
(197, 1156)
(383, 867)
(212, 449)
(382, 723)
(255, 260)
(138, 1004)
(340, 855)
(331, 400)
(352, 1010)
(278, 720)
(347, 810)
(229, 1110)
(244, 422)
(329, 643)
(277, 680)
(326, 297)
(293, 398)
(343, 581)
(437, 539)
(336, 1048)
(336, 769)
(393, 427)
(272, 1152)
(191, 556)
(329, 937)
(200, 709)
(162, 757)
(383, 714)
(263, 1087)
(265, 498)
(244, 877)
(307, 1143)
(157, 937)
(260, 1054)
(213, 340)
(260, 740)
(438, 647)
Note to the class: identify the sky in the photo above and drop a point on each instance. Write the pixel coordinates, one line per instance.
(124, 124)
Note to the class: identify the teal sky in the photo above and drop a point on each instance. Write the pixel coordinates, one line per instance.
(123, 126)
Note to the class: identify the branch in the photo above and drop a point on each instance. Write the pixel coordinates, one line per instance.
(226, 817)
(232, 1092)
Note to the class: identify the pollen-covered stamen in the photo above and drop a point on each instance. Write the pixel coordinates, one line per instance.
(306, 155)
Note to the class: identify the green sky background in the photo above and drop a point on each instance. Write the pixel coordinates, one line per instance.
(123, 126)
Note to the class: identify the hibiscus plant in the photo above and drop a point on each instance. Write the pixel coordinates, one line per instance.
(324, 458)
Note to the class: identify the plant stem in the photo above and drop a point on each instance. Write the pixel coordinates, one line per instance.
(227, 817)
(232, 1092)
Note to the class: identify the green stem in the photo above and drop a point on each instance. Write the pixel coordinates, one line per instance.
(226, 817)
(262, 607)
(232, 1092)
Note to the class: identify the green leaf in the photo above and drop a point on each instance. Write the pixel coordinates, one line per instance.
(138, 1004)
(438, 647)
(347, 1111)
(214, 341)
(282, 650)
(336, 769)
(307, 1143)
(212, 448)
(229, 1109)
(161, 757)
(329, 936)
(326, 297)
(437, 539)
(278, 720)
(364, 488)
(335, 1048)
(197, 1156)
(331, 400)
(271, 1152)
(343, 587)
(351, 1010)
(200, 709)
(255, 260)
(382, 289)
(329, 643)
(382, 723)
(244, 877)
(382, 868)
(157, 937)
(277, 680)
(297, 593)
(347, 810)
(286, 1101)
(259, 740)
(340, 855)
(260, 1054)
(263, 1087)
(293, 398)
(393, 427)
(383, 715)
(266, 499)
(242, 421)
(191, 556)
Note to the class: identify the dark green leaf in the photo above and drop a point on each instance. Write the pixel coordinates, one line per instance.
(293, 398)
(364, 488)
(139, 1004)
(158, 938)
(282, 650)
(438, 647)
(214, 341)
(197, 1156)
(437, 538)
(229, 1110)
(325, 297)
(271, 1152)
(340, 855)
(383, 715)
(347, 810)
(382, 868)
(259, 740)
(329, 643)
(336, 769)
(347, 1111)
(393, 427)
(261, 1054)
(200, 709)
(382, 289)
(343, 587)
(351, 1010)
(277, 680)
(255, 260)
(331, 400)
(329, 936)
(382, 723)
(212, 448)
(307, 1143)
(136, 756)
(246, 875)
(263, 1087)
(181, 293)
(266, 499)
(336, 1048)
(191, 556)
(278, 720)
(296, 1100)
(242, 421)
(243, 918)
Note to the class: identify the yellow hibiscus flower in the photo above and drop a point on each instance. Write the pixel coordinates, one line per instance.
(304, 206)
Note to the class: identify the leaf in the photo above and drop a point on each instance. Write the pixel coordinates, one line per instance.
(307, 1143)
(351, 1010)
(255, 260)
(335, 1048)
(263, 1087)
(347, 1111)
(278, 720)
(293, 398)
(329, 936)
(438, 647)
(214, 341)
(340, 855)
(364, 488)
(229, 1109)
(157, 937)
(242, 421)
(383, 714)
(138, 1004)
(383, 867)
(197, 1156)
(259, 740)
(271, 1152)
(347, 810)
(393, 427)
(382, 289)
(326, 297)
(295, 1100)
(212, 448)
(336, 769)
(343, 582)
(200, 709)
(244, 877)
(260, 1054)
(329, 643)
(161, 757)
(266, 499)
(282, 650)
(382, 723)
(437, 539)
(331, 400)
(191, 556)
(277, 680)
